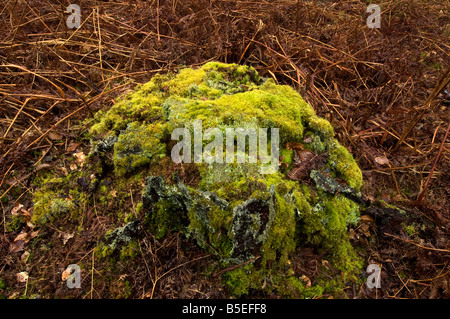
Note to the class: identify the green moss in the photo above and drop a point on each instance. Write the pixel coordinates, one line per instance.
(103, 251)
(231, 210)
(410, 229)
(137, 146)
(280, 242)
(288, 156)
(326, 225)
(57, 197)
(390, 206)
(130, 250)
(293, 287)
(321, 126)
(47, 207)
(120, 243)
(2, 285)
(240, 280)
(16, 222)
(341, 161)
(210, 223)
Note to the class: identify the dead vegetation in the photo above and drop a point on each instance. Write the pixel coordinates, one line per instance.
(383, 90)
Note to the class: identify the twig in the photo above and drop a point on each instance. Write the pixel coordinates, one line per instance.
(172, 269)
(235, 266)
(424, 247)
(445, 79)
(419, 199)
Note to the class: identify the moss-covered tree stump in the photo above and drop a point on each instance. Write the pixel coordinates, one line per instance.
(246, 219)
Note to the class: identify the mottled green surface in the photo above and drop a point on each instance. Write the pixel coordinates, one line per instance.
(235, 212)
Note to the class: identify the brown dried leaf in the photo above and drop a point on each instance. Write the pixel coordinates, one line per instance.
(16, 209)
(34, 234)
(16, 246)
(295, 146)
(24, 256)
(54, 136)
(66, 237)
(25, 212)
(382, 160)
(367, 218)
(22, 276)
(305, 155)
(80, 158)
(365, 230)
(66, 273)
(306, 281)
(22, 236)
(72, 146)
(42, 166)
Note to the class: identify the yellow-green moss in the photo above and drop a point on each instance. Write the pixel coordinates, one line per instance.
(240, 280)
(137, 146)
(344, 164)
(132, 140)
(130, 250)
(56, 199)
(15, 223)
(280, 242)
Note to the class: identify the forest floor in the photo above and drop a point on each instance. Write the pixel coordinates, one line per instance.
(385, 90)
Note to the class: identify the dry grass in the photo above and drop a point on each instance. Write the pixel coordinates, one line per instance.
(381, 88)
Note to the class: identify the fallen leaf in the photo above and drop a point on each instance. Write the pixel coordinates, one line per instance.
(34, 234)
(365, 230)
(367, 218)
(20, 241)
(113, 193)
(22, 236)
(306, 281)
(15, 210)
(80, 158)
(382, 160)
(54, 136)
(66, 273)
(25, 213)
(16, 246)
(24, 256)
(123, 277)
(66, 237)
(22, 276)
(73, 167)
(72, 146)
(305, 155)
(42, 166)
(64, 170)
(295, 146)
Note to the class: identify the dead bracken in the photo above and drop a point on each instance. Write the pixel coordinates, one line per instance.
(383, 90)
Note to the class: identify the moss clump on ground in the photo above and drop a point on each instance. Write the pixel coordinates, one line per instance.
(57, 198)
(233, 211)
